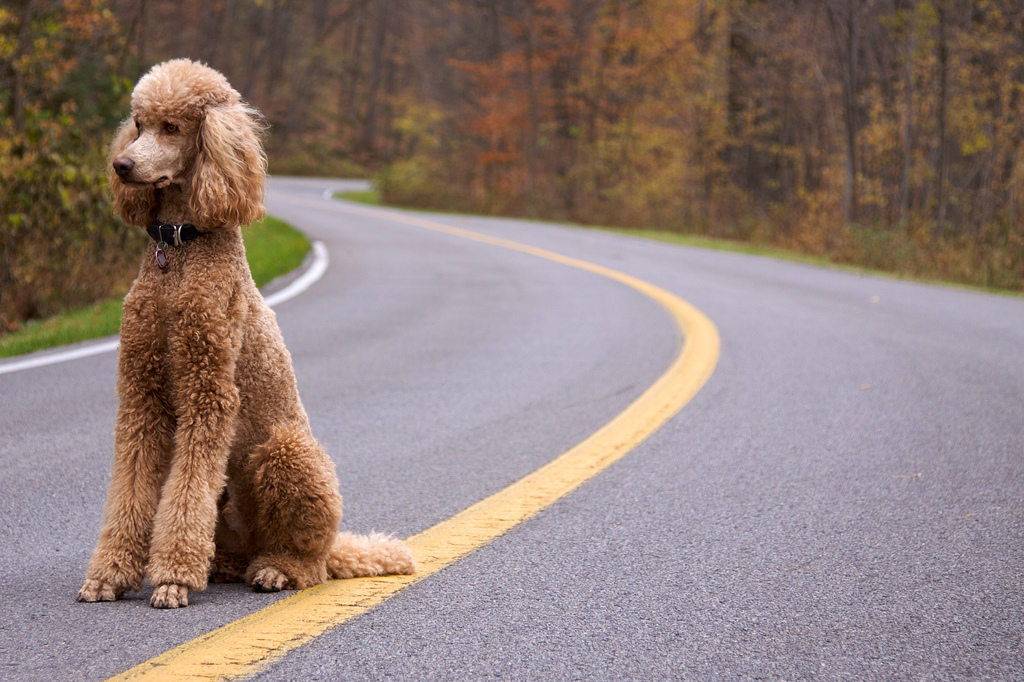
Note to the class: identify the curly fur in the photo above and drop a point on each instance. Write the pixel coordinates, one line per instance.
(216, 474)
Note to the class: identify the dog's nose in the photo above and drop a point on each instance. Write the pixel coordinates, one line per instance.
(123, 165)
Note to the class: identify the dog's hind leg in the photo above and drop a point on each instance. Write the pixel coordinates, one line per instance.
(233, 551)
(298, 509)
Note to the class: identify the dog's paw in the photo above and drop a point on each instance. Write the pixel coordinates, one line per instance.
(169, 596)
(269, 580)
(97, 590)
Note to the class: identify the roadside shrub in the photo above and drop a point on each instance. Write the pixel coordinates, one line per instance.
(418, 181)
(311, 160)
(63, 86)
(60, 244)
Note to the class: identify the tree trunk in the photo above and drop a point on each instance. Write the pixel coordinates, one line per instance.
(277, 47)
(844, 19)
(376, 72)
(18, 94)
(295, 117)
(141, 36)
(531, 126)
(350, 74)
(943, 99)
(907, 130)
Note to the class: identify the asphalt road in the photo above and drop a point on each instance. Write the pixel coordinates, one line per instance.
(843, 499)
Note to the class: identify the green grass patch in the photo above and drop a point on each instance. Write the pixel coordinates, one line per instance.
(369, 197)
(272, 247)
(718, 244)
(98, 320)
(796, 257)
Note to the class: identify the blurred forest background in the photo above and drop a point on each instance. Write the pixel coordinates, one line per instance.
(881, 133)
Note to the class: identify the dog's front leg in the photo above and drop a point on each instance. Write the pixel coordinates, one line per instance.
(207, 402)
(142, 447)
(142, 442)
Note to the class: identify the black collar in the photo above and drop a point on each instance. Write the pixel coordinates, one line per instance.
(163, 233)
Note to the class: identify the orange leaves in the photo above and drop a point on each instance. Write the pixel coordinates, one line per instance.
(488, 158)
(567, 89)
(87, 19)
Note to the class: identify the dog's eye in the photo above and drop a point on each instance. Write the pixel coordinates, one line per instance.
(170, 128)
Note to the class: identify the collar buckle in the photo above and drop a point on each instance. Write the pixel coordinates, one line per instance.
(173, 235)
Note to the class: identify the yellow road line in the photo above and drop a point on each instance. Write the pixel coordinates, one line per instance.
(249, 644)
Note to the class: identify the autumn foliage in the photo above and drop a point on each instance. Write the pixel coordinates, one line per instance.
(886, 133)
(883, 133)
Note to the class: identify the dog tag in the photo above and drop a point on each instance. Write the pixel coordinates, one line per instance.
(161, 255)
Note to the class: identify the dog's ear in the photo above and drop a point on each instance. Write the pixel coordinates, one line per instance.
(227, 188)
(133, 203)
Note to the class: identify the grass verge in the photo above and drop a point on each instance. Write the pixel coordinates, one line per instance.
(702, 242)
(369, 197)
(272, 247)
(372, 198)
(796, 257)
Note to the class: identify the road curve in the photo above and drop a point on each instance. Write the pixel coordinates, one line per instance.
(844, 498)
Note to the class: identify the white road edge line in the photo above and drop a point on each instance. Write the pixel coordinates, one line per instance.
(304, 281)
(315, 271)
(62, 356)
(328, 194)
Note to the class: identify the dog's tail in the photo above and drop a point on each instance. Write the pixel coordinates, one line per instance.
(356, 556)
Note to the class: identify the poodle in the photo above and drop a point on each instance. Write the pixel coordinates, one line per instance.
(216, 473)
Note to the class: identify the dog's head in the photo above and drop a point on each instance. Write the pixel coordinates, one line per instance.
(191, 129)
